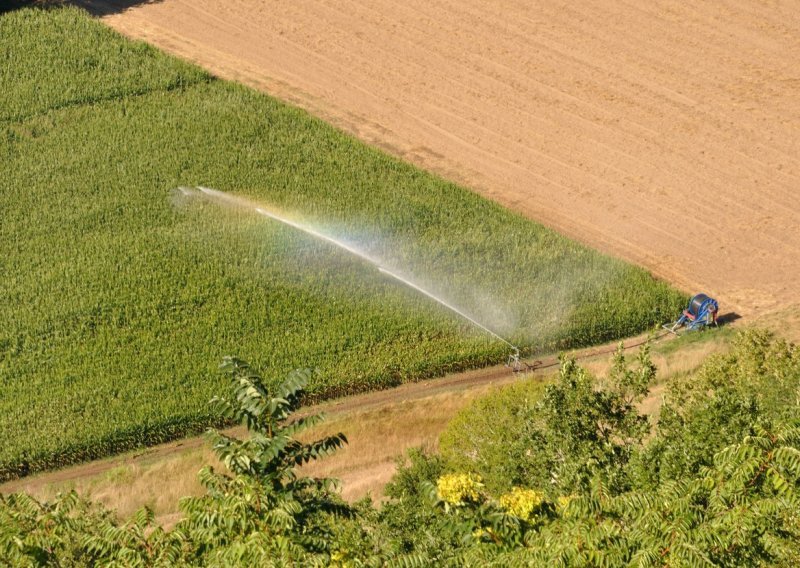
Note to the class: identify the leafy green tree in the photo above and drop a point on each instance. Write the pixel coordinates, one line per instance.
(410, 526)
(263, 513)
(71, 532)
(554, 437)
(742, 511)
(590, 431)
(755, 384)
(735, 503)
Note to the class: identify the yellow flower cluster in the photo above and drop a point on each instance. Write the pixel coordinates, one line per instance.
(340, 559)
(458, 488)
(563, 501)
(522, 502)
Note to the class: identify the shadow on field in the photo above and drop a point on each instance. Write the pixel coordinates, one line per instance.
(11, 5)
(94, 7)
(730, 317)
(108, 7)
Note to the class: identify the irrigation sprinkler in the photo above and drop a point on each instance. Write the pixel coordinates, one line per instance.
(513, 361)
(390, 273)
(514, 358)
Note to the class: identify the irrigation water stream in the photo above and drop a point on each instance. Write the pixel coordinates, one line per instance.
(224, 197)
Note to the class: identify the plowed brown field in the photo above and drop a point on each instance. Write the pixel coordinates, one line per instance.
(666, 133)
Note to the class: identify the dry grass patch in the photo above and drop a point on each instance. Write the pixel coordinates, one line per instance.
(377, 434)
(378, 437)
(158, 484)
(784, 323)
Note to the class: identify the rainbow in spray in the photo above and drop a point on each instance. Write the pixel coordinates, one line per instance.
(240, 202)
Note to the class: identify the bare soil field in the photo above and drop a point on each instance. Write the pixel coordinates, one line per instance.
(665, 133)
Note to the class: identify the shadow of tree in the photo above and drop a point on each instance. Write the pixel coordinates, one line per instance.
(108, 7)
(11, 5)
(94, 7)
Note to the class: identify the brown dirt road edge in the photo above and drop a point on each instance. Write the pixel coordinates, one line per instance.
(664, 133)
(380, 427)
(480, 378)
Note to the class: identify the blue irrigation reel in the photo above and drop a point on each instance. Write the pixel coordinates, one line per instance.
(701, 312)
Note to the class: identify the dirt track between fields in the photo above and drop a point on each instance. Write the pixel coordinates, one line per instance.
(477, 379)
(359, 403)
(667, 133)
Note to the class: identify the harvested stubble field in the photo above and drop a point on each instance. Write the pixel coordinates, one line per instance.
(664, 132)
(120, 298)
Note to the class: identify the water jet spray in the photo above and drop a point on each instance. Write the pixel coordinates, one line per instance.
(513, 359)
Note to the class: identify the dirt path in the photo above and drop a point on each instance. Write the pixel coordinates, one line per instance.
(664, 132)
(380, 427)
(409, 392)
(364, 402)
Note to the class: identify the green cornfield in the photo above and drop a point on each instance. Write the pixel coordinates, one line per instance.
(118, 297)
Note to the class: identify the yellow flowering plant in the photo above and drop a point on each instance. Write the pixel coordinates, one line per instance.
(522, 503)
(563, 502)
(459, 488)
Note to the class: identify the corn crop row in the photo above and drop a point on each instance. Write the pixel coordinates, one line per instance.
(119, 298)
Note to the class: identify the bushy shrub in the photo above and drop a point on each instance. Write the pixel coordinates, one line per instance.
(754, 385)
(553, 436)
(718, 482)
(492, 436)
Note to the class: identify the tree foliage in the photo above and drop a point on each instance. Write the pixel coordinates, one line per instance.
(262, 512)
(732, 500)
(755, 384)
(259, 513)
(590, 504)
(554, 436)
